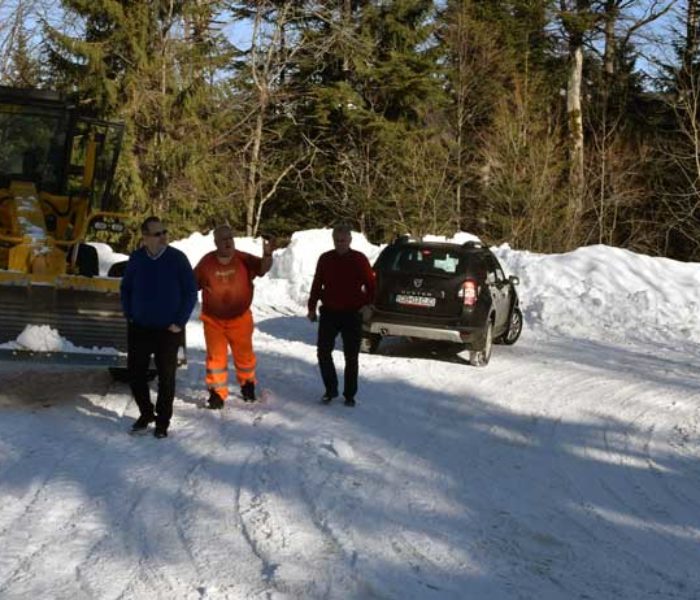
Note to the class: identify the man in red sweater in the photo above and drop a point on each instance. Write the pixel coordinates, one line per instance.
(344, 283)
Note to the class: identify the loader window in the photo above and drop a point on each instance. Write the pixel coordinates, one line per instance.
(32, 147)
(94, 148)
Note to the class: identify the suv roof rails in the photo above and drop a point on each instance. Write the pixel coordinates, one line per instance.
(404, 239)
(473, 244)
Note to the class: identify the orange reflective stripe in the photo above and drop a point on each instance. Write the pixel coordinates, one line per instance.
(216, 371)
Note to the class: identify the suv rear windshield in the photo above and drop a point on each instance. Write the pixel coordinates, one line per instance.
(423, 260)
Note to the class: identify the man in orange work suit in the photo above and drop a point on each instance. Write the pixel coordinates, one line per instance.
(225, 277)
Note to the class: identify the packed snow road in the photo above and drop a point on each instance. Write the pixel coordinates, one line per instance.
(564, 469)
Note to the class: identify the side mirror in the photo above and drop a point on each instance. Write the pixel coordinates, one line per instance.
(514, 280)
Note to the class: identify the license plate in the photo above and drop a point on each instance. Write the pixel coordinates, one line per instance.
(406, 300)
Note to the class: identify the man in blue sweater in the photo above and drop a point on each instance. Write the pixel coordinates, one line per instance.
(158, 293)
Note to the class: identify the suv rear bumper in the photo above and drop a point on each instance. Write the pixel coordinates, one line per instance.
(471, 336)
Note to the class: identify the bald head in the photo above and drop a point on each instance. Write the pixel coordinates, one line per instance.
(223, 239)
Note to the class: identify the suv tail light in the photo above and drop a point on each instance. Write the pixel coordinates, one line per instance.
(469, 292)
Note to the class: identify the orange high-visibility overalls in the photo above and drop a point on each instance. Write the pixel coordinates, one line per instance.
(227, 292)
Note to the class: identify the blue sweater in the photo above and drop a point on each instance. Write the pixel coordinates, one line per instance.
(156, 293)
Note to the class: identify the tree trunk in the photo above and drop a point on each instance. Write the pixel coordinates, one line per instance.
(253, 169)
(691, 37)
(611, 14)
(575, 118)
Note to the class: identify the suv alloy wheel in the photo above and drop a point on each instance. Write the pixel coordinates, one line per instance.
(514, 328)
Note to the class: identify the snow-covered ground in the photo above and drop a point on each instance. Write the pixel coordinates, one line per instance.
(569, 468)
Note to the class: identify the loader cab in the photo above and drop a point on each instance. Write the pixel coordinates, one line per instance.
(56, 171)
(65, 161)
(45, 141)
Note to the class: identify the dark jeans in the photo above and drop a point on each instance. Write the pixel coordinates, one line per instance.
(163, 346)
(349, 325)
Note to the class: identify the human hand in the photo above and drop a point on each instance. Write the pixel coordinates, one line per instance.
(174, 328)
(268, 245)
(312, 316)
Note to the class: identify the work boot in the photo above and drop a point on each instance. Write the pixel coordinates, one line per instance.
(248, 391)
(160, 432)
(349, 401)
(141, 424)
(215, 401)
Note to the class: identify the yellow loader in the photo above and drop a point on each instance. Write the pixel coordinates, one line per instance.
(56, 171)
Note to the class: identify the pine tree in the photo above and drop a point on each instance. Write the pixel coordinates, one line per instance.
(25, 68)
(368, 81)
(499, 61)
(148, 64)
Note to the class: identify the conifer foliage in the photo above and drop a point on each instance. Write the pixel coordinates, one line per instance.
(543, 123)
(151, 65)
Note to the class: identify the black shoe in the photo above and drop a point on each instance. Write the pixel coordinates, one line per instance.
(349, 401)
(327, 397)
(160, 432)
(215, 401)
(141, 424)
(248, 391)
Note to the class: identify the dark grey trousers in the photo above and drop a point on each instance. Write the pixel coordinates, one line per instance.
(163, 346)
(349, 325)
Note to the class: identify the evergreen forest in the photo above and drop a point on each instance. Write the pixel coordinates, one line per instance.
(547, 124)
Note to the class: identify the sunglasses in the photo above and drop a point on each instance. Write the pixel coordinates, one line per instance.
(158, 233)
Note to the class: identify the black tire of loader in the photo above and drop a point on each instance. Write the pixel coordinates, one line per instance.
(87, 261)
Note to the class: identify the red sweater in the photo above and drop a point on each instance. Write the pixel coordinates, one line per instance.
(342, 282)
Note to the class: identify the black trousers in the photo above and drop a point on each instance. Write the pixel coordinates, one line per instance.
(349, 325)
(163, 346)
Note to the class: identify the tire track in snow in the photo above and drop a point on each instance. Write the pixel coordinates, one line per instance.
(60, 499)
(332, 487)
(619, 472)
(213, 527)
(87, 549)
(24, 533)
(654, 502)
(151, 531)
(279, 522)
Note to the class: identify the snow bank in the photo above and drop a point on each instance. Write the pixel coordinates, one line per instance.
(595, 292)
(601, 292)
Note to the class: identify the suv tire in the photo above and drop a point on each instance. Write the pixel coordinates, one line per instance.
(480, 358)
(515, 328)
(370, 343)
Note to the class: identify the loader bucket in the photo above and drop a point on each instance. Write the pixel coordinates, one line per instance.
(85, 311)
